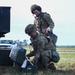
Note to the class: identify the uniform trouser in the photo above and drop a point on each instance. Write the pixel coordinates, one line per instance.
(45, 57)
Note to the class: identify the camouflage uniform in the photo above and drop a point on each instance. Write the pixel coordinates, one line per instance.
(44, 22)
(41, 24)
(42, 48)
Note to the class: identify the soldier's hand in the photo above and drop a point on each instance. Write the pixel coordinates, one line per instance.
(35, 60)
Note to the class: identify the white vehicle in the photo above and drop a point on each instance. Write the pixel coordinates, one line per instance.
(5, 46)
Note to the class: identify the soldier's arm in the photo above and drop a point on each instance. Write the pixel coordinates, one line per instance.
(49, 21)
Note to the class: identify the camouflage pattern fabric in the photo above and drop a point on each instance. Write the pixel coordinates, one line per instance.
(41, 24)
(42, 49)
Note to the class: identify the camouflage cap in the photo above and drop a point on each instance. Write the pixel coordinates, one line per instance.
(30, 28)
(35, 7)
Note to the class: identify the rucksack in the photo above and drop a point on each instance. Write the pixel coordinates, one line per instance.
(55, 56)
(54, 37)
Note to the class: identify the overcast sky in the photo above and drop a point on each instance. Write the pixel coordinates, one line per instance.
(61, 11)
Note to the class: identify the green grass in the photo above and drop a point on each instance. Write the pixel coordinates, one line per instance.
(67, 62)
(66, 65)
(66, 49)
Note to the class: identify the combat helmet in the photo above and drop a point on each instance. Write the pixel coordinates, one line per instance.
(35, 7)
(30, 28)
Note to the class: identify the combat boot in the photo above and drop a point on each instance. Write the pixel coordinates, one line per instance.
(52, 67)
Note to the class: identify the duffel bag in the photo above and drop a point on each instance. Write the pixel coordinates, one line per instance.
(55, 56)
(17, 54)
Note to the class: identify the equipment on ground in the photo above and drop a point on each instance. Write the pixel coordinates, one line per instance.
(18, 55)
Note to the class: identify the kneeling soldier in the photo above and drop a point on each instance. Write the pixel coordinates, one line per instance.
(42, 48)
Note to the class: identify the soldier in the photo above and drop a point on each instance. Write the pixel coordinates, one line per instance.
(42, 47)
(43, 22)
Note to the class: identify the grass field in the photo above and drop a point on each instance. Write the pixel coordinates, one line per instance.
(66, 49)
(66, 65)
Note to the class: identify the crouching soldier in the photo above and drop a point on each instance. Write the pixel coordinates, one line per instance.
(42, 48)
